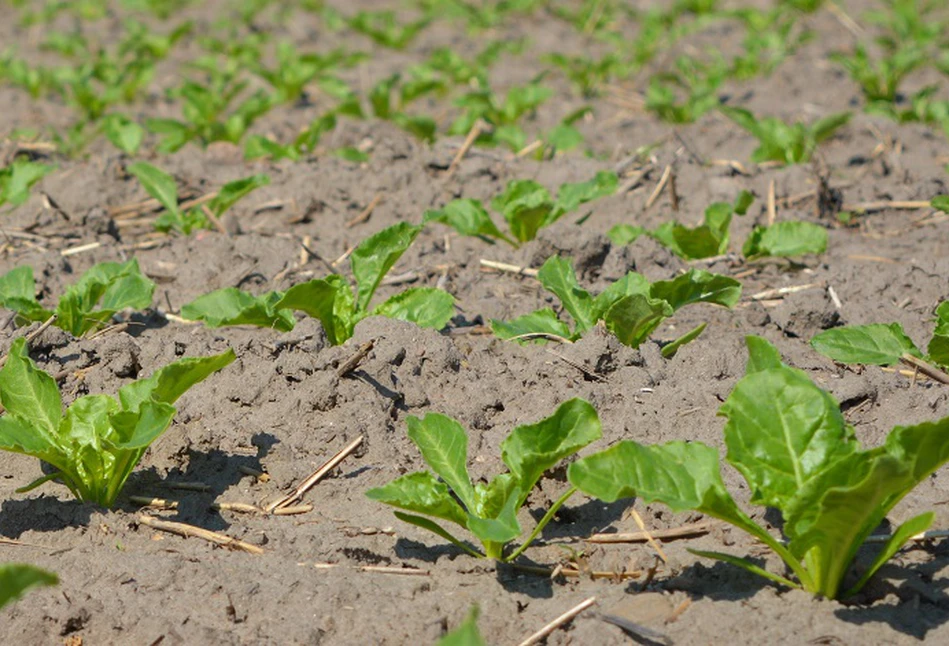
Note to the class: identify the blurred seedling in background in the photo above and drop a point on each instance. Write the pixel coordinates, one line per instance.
(782, 142)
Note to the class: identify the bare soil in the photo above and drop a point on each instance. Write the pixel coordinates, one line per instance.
(280, 408)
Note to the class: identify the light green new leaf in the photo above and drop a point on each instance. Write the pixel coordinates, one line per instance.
(571, 196)
(376, 255)
(169, 383)
(444, 444)
(557, 276)
(17, 578)
(422, 493)
(526, 205)
(899, 538)
(697, 286)
(424, 306)
(125, 134)
(631, 283)
(330, 300)
(159, 184)
(494, 532)
(538, 323)
(782, 432)
(939, 345)
(116, 285)
(624, 234)
(469, 218)
(669, 350)
(633, 318)
(232, 192)
(138, 429)
(491, 497)
(785, 240)
(532, 449)
(876, 344)
(17, 180)
(231, 306)
(940, 202)
(18, 293)
(28, 392)
(761, 355)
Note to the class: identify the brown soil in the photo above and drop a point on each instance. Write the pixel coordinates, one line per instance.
(281, 409)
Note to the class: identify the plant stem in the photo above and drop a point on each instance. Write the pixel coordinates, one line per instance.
(543, 522)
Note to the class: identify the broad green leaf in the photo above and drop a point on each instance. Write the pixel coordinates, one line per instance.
(15, 187)
(169, 383)
(571, 196)
(86, 423)
(422, 493)
(465, 634)
(557, 276)
(761, 355)
(825, 127)
(424, 306)
(376, 255)
(782, 432)
(138, 429)
(501, 528)
(17, 578)
(532, 449)
(743, 201)
(940, 202)
(624, 234)
(785, 240)
(28, 392)
(876, 344)
(17, 293)
(330, 300)
(116, 285)
(443, 444)
(939, 345)
(899, 538)
(543, 321)
(234, 191)
(159, 184)
(231, 306)
(697, 286)
(467, 217)
(633, 318)
(631, 283)
(669, 350)
(526, 206)
(125, 134)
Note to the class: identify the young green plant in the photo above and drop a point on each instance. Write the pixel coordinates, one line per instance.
(487, 510)
(18, 178)
(789, 440)
(97, 443)
(631, 308)
(17, 578)
(332, 299)
(778, 141)
(86, 306)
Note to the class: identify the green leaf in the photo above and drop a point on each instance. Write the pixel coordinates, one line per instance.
(469, 218)
(17, 578)
(234, 191)
(159, 184)
(17, 293)
(876, 344)
(939, 345)
(29, 393)
(116, 285)
(138, 429)
(669, 350)
(422, 493)
(624, 234)
(940, 202)
(742, 202)
(543, 321)
(631, 283)
(125, 134)
(697, 286)
(231, 306)
(466, 633)
(330, 300)
(499, 529)
(899, 538)
(761, 355)
(745, 564)
(571, 196)
(557, 276)
(443, 444)
(376, 255)
(15, 184)
(490, 498)
(785, 240)
(633, 318)
(424, 306)
(526, 205)
(532, 449)
(169, 383)
(782, 432)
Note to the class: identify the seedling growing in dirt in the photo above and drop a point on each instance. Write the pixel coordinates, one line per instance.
(692, 243)
(526, 205)
(17, 578)
(96, 444)
(684, 95)
(631, 308)
(161, 186)
(384, 29)
(501, 115)
(789, 440)
(331, 299)
(586, 73)
(466, 633)
(125, 134)
(257, 146)
(489, 511)
(108, 286)
(785, 143)
(294, 71)
(880, 79)
(785, 240)
(770, 38)
(924, 107)
(18, 178)
(880, 344)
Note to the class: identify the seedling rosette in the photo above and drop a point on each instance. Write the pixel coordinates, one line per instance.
(97, 443)
(331, 299)
(489, 511)
(789, 440)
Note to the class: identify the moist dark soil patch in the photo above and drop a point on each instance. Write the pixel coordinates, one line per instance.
(280, 408)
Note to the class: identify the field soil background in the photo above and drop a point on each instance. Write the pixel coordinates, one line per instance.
(281, 408)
